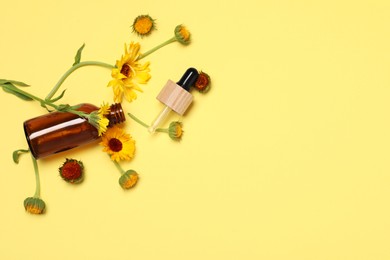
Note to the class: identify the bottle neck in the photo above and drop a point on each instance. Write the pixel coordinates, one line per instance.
(116, 114)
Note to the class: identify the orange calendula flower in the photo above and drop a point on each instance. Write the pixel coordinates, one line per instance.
(143, 25)
(128, 73)
(182, 34)
(118, 144)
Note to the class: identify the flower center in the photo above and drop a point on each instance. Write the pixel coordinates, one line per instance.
(126, 70)
(179, 131)
(115, 145)
(185, 33)
(202, 82)
(143, 25)
(71, 170)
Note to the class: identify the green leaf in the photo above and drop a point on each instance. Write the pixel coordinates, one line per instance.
(58, 98)
(16, 154)
(9, 88)
(77, 58)
(18, 83)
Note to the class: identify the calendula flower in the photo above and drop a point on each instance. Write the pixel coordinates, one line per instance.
(175, 130)
(98, 121)
(128, 73)
(203, 82)
(143, 25)
(104, 109)
(72, 171)
(181, 34)
(98, 118)
(103, 121)
(34, 205)
(128, 179)
(118, 144)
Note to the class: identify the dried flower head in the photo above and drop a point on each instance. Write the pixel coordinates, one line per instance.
(182, 34)
(175, 130)
(72, 171)
(34, 205)
(203, 82)
(143, 25)
(128, 179)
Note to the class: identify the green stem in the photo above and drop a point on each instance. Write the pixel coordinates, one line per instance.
(137, 120)
(162, 130)
(44, 103)
(40, 100)
(72, 69)
(37, 180)
(120, 169)
(156, 48)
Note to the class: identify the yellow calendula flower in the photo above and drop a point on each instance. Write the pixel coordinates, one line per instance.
(128, 73)
(118, 144)
(104, 109)
(103, 121)
(99, 121)
(143, 25)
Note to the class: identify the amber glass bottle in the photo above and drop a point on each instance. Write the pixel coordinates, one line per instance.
(57, 131)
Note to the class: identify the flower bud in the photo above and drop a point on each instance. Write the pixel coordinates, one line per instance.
(34, 205)
(175, 130)
(182, 34)
(128, 179)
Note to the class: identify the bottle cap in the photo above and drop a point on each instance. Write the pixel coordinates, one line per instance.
(177, 95)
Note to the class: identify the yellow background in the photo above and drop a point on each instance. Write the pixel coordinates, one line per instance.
(285, 158)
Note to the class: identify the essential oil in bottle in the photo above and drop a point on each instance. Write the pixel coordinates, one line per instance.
(60, 131)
